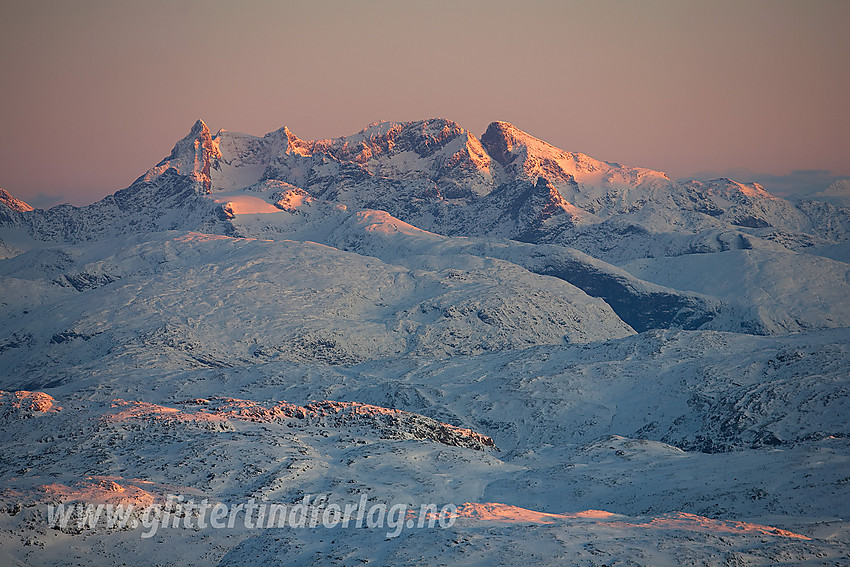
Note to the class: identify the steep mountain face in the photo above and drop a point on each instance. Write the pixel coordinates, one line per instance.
(435, 151)
(437, 176)
(170, 202)
(597, 187)
(193, 156)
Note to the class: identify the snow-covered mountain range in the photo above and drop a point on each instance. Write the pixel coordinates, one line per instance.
(419, 314)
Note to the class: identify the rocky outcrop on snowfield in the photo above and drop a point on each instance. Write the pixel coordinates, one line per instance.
(388, 423)
(219, 412)
(23, 403)
(74, 450)
(674, 434)
(496, 533)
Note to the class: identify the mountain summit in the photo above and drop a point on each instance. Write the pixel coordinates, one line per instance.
(192, 156)
(438, 176)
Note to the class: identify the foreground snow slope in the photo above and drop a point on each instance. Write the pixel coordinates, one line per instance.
(659, 429)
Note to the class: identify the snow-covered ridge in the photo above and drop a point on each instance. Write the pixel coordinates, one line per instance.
(269, 300)
(389, 423)
(437, 176)
(526, 156)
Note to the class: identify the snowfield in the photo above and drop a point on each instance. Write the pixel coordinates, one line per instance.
(590, 364)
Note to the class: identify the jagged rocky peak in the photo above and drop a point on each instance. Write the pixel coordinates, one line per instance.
(525, 157)
(436, 149)
(13, 203)
(424, 137)
(199, 128)
(192, 156)
(380, 140)
(294, 144)
(505, 142)
(500, 139)
(198, 138)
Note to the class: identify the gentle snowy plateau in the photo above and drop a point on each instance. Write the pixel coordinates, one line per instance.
(597, 365)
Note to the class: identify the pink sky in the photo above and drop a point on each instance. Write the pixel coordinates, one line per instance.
(94, 93)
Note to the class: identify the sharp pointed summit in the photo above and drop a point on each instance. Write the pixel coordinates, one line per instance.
(199, 128)
(499, 140)
(191, 156)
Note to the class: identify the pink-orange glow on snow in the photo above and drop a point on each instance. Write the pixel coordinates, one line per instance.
(495, 512)
(384, 223)
(292, 199)
(132, 410)
(681, 521)
(101, 489)
(97, 489)
(222, 409)
(25, 401)
(245, 204)
(694, 523)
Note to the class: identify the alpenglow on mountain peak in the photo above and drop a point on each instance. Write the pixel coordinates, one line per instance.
(437, 176)
(434, 148)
